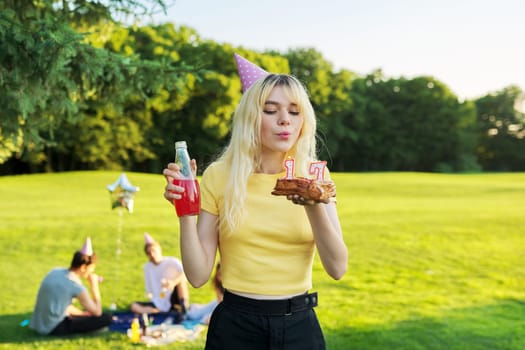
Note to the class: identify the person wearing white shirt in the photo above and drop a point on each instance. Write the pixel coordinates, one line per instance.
(165, 282)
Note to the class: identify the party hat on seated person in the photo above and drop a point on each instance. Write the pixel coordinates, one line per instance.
(87, 248)
(148, 239)
(248, 72)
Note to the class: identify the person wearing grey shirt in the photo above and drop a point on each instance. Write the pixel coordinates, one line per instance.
(54, 312)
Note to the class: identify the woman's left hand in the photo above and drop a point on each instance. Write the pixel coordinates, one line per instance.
(296, 199)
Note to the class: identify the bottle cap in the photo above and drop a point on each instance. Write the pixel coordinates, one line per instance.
(180, 144)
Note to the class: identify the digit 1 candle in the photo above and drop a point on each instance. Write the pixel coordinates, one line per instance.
(289, 164)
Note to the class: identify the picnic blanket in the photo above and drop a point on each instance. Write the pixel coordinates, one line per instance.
(163, 328)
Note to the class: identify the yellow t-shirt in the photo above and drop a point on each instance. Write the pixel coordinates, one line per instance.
(272, 250)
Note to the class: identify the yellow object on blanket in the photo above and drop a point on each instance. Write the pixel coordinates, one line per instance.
(163, 334)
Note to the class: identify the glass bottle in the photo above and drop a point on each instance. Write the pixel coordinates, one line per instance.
(190, 202)
(135, 330)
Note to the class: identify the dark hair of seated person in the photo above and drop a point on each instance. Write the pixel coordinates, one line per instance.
(80, 259)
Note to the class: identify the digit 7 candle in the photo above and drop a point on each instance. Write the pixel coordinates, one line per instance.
(317, 168)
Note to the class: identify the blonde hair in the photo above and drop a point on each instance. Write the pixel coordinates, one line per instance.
(242, 154)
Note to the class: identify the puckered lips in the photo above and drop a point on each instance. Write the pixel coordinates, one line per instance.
(285, 135)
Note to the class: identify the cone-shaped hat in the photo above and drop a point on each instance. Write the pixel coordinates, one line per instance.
(87, 248)
(248, 72)
(148, 239)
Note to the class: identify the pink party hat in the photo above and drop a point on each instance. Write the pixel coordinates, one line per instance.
(248, 72)
(148, 239)
(87, 249)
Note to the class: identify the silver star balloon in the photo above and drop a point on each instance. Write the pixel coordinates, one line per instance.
(122, 193)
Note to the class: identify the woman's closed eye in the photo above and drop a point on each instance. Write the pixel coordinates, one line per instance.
(270, 112)
(272, 107)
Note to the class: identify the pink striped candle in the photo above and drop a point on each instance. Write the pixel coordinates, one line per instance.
(317, 169)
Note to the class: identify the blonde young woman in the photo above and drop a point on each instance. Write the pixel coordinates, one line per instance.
(266, 243)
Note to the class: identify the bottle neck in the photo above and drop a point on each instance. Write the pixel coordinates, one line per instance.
(182, 159)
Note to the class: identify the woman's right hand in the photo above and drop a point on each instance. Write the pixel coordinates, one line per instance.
(171, 172)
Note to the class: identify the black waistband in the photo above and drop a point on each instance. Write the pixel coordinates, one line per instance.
(271, 307)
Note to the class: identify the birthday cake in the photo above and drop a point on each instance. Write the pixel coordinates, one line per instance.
(309, 189)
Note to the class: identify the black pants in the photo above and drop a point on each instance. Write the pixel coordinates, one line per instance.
(82, 324)
(249, 324)
(177, 303)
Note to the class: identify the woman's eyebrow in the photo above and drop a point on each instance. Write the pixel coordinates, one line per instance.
(275, 103)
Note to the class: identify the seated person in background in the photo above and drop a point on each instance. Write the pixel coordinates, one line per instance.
(165, 282)
(202, 312)
(54, 312)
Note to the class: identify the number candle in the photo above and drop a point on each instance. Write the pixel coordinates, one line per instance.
(289, 164)
(317, 168)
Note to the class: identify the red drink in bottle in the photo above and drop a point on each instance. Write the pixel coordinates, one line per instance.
(190, 203)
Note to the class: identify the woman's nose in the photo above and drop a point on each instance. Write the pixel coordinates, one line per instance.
(284, 118)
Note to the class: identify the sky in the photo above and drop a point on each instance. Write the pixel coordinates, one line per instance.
(474, 47)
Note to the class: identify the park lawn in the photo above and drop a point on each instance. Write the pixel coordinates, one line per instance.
(436, 261)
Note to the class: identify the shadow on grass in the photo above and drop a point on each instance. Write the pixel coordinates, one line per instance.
(14, 333)
(498, 326)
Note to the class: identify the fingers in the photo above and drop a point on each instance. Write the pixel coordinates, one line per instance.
(296, 199)
(170, 172)
(175, 193)
(171, 191)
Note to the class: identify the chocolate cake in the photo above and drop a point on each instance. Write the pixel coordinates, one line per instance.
(307, 188)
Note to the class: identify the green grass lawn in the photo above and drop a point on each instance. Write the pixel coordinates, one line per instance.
(437, 261)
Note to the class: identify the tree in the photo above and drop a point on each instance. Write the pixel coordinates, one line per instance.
(501, 128)
(336, 124)
(313, 70)
(330, 96)
(205, 119)
(50, 74)
(410, 125)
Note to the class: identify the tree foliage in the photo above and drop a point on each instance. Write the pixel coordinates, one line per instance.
(52, 76)
(330, 96)
(409, 125)
(83, 91)
(501, 128)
